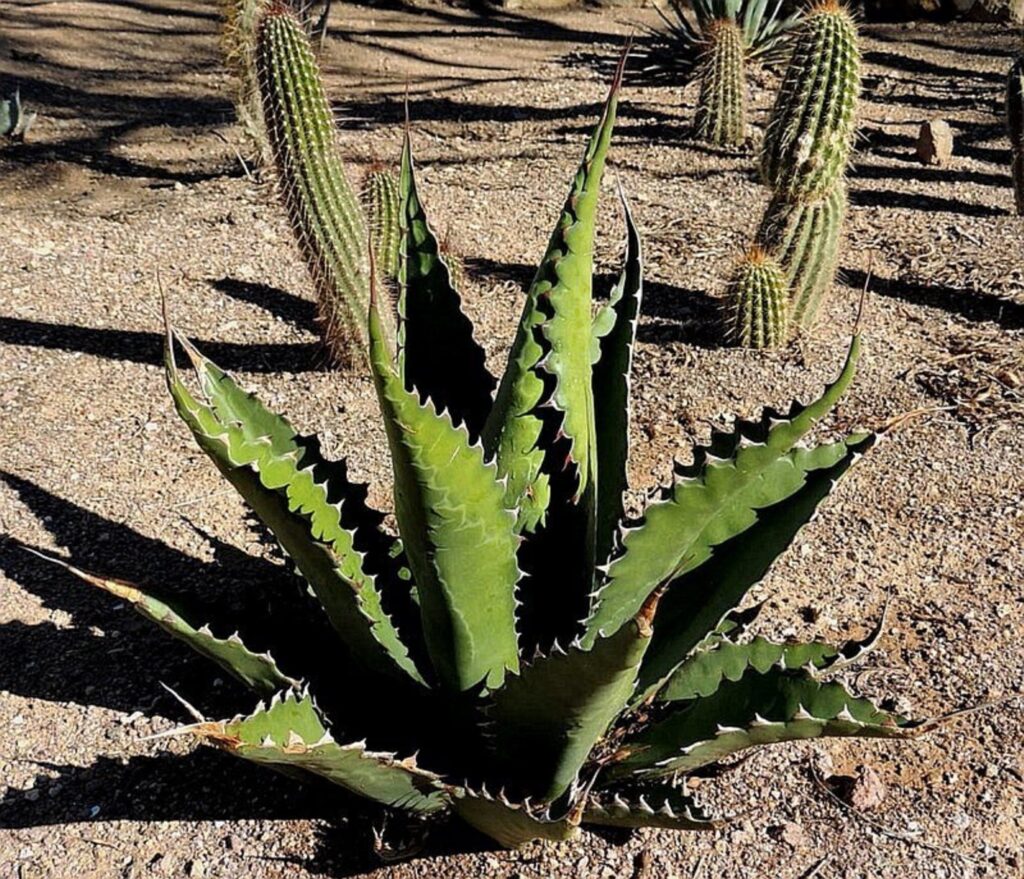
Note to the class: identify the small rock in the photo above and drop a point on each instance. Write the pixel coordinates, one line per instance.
(935, 143)
(233, 843)
(863, 792)
(790, 833)
(195, 869)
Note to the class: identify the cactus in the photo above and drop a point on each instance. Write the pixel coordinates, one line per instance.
(805, 154)
(756, 308)
(1015, 124)
(805, 238)
(810, 134)
(714, 44)
(15, 121)
(550, 660)
(382, 208)
(325, 215)
(722, 107)
(238, 45)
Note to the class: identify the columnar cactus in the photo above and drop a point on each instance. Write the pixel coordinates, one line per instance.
(810, 134)
(714, 43)
(550, 660)
(326, 216)
(382, 208)
(806, 152)
(804, 238)
(722, 108)
(756, 312)
(238, 44)
(1015, 124)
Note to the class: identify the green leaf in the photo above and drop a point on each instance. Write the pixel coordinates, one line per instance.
(695, 604)
(459, 537)
(715, 499)
(614, 340)
(306, 501)
(549, 363)
(438, 355)
(760, 708)
(508, 823)
(703, 673)
(721, 657)
(653, 805)
(547, 719)
(290, 734)
(255, 670)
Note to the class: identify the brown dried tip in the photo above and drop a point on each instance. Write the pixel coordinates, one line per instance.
(277, 7)
(756, 255)
(645, 618)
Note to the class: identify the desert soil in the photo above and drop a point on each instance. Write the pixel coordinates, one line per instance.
(131, 174)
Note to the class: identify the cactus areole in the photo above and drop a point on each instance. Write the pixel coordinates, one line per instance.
(550, 661)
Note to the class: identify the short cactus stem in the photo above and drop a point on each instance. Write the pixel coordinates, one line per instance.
(382, 208)
(1015, 125)
(810, 135)
(804, 238)
(722, 107)
(325, 214)
(756, 306)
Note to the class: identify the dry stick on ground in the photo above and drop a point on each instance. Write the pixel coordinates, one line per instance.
(881, 828)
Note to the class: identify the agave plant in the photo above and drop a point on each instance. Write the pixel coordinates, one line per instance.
(713, 43)
(551, 661)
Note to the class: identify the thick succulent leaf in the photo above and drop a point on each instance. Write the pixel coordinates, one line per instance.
(653, 805)
(511, 824)
(547, 719)
(256, 670)
(549, 363)
(695, 604)
(703, 672)
(717, 498)
(615, 338)
(290, 734)
(459, 537)
(304, 500)
(760, 708)
(438, 355)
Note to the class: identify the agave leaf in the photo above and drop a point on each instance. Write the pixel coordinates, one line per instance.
(547, 719)
(760, 708)
(255, 670)
(288, 733)
(302, 499)
(549, 363)
(696, 603)
(703, 672)
(459, 537)
(615, 338)
(715, 499)
(438, 355)
(650, 805)
(511, 824)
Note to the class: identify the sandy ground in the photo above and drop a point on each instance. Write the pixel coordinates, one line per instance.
(131, 171)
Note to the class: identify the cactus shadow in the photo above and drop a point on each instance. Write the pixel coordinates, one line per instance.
(889, 198)
(672, 313)
(971, 304)
(142, 347)
(294, 310)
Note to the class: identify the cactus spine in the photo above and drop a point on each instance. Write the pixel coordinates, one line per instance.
(382, 207)
(1015, 123)
(325, 214)
(756, 309)
(722, 109)
(805, 154)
